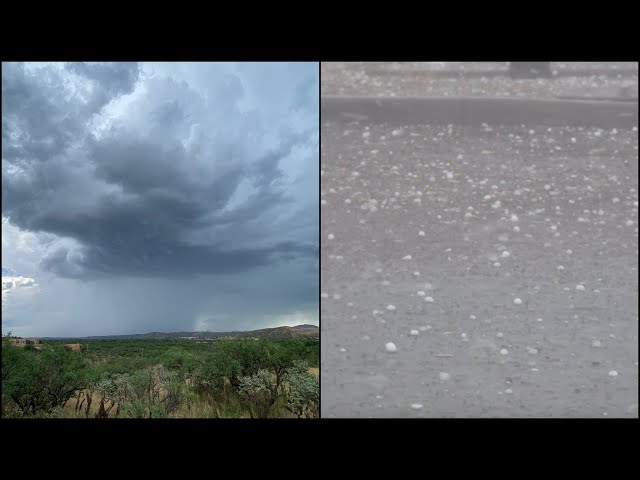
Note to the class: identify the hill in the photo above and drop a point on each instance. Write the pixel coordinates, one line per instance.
(275, 332)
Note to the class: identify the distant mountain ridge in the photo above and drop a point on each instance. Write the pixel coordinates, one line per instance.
(274, 332)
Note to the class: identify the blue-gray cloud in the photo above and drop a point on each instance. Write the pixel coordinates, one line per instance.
(119, 171)
(135, 194)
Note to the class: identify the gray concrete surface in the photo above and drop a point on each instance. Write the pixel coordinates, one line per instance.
(490, 110)
(476, 217)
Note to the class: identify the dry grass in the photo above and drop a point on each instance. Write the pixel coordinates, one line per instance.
(224, 405)
(69, 410)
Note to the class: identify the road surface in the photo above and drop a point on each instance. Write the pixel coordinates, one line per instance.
(500, 262)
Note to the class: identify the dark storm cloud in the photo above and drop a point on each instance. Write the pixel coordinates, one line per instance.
(43, 113)
(150, 192)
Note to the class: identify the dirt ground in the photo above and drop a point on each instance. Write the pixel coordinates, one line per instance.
(512, 255)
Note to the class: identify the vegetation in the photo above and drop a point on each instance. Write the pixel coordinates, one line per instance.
(160, 378)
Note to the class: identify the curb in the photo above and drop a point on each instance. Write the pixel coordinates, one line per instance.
(584, 72)
(471, 111)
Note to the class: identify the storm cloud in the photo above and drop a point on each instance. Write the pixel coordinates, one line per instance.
(162, 171)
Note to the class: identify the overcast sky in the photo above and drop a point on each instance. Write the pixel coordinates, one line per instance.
(159, 197)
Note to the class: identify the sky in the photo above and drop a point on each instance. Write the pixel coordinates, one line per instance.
(141, 197)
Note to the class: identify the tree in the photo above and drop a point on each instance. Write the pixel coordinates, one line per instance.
(43, 381)
(12, 361)
(179, 360)
(230, 360)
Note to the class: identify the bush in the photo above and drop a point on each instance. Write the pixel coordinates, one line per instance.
(258, 392)
(303, 397)
(154, 392)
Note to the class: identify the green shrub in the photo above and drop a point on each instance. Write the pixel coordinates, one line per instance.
(303, 397)
(258, 392)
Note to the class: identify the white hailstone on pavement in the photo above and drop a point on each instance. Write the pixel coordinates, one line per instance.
(444, 376)
(517, 301)
(331, 236)
(414, 332)
(391, 308)
(508, 391)
(407, 257)
(569, 252)
(416, 273)
(337, 296)
(613, 373)
(560, 267)
(425, 328)
(499, 334)
(472, 317)
(343, 350)
(429, 299)
(496, 264)
(421, 293)
(421, 233)
(580, 287)
(390, 347)
(416, 406)
(460, 157)
(504, 351)
(514, 218)
(323, 202)
(615, 199)
(497, 204)
(505, 254)
(538, 319)
(628, 223)
(532, 351)
(573, 140)
(449, 175)
(547, 187)
(596, 344)
(516, 228)
(324, 295)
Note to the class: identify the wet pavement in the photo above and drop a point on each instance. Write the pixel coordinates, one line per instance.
(501, 262)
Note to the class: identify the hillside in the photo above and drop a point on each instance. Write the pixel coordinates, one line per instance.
(276, 332)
